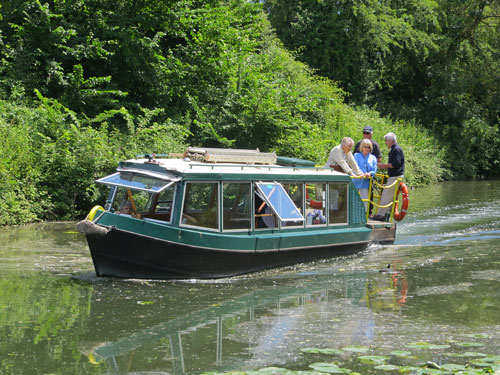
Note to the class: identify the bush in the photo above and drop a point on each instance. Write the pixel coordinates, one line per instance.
(51, 161)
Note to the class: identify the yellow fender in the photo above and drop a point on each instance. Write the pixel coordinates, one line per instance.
(93, 211)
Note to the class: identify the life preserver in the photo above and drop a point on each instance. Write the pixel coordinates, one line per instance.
(93, 211)
(313, 203)
(398, 216)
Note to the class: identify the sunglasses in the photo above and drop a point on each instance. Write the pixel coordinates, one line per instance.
(367, 132)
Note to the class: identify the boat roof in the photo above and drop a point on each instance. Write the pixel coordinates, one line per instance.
(228, 164)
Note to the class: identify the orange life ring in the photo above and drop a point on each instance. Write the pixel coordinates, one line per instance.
(404, 207)
(313, 203)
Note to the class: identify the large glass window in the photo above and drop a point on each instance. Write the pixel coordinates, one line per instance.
(337, 203)
(296, 192)
(138, 181)
(315, 204)
(131, 202)
(143, 204)
(280, 202)
(201, 205)
(236, 204)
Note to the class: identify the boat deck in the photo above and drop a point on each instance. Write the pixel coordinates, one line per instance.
(378, 224)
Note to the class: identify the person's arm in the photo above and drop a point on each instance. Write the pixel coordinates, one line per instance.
(338, 158)
(395, 160)
(384, 165)
(352, 163)
(372, 164)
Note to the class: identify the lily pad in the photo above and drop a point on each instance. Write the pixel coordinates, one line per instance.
(411, 369)
(321, 351)
(474, 354)
(481, 363)
(330, 368)
(401, 353)
(438, 346)
(492, 358)
(387, 367)
(419, 345)
(431, 371)
(427, 345)
(478, 335)
(356, 349)
(469, 344)
(452, 367)
(270, 370)
(373, 359)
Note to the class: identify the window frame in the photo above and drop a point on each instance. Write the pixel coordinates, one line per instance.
(346, 184)
(277, 212)
(218, 198)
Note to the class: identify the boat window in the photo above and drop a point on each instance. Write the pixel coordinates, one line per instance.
(315, 204)
(296, 192)
(264, 216)
(131, 202)
(201, 205)
(137, 181)
(279, 201)
(337, 203)
(236, 204)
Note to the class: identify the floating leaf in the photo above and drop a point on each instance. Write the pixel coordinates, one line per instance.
(452, 367)
(373, 359)
(481, 363)
(271, 370)
(437, 346)
(492, 358)
(401, 353)
(478, 335)
(330, 368)
(321, 351)
(427, 345)
(387, 367)
(474, 354)
(469, 344)
(356, 349)
(418, 345)
(431, 371)
(411, 369)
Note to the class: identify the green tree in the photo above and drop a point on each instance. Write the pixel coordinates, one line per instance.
(434, 62)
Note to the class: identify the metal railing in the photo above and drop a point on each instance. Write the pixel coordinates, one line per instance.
(377, 189)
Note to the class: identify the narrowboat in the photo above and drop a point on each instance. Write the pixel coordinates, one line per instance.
(212, 213)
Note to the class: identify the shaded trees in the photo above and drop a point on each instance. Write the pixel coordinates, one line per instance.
(437, 62)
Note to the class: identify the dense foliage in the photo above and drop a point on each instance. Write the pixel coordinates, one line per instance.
(435, 62)
(84, 84)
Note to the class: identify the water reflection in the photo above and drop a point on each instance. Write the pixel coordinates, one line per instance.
(268, 324)
(438, 283)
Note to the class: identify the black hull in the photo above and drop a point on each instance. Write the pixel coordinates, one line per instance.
(129, 255)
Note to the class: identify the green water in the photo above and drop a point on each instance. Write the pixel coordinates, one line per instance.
(439, 284)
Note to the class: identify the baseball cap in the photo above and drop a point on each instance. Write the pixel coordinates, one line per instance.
(367, 129)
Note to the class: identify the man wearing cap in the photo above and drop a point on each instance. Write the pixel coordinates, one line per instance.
(395, 169)
(367, 134)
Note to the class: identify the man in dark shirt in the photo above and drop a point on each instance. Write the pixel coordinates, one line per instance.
(367, 134)
(395, 168)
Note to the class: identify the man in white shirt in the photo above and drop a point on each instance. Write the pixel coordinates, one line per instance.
(341, 158)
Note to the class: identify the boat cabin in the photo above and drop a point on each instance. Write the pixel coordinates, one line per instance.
(225, 197)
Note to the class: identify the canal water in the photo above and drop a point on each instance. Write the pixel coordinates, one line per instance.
(430, 304)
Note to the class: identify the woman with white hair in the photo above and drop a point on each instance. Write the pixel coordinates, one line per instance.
(367, 162)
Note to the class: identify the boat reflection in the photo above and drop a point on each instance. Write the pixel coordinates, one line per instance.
(267, 325)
